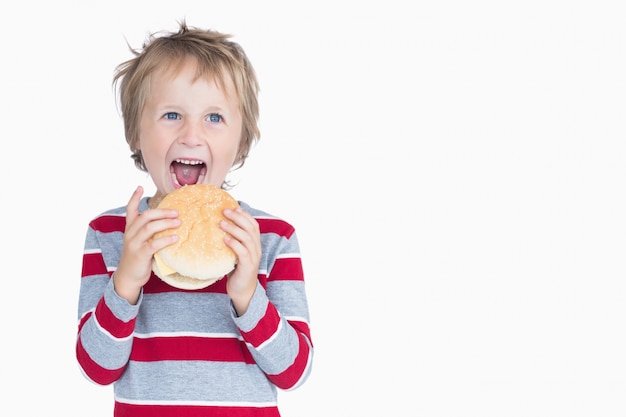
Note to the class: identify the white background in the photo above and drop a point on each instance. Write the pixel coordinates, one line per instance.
(455, 171)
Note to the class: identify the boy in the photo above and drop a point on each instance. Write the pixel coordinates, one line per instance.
(190, 110)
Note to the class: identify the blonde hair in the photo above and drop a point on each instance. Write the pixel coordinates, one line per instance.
(217, 57)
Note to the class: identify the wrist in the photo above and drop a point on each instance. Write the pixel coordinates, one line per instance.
(130, 293)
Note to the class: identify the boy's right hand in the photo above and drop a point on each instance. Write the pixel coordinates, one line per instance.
(138, 249)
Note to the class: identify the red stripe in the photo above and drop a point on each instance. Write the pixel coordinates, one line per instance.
(112, 324)
(108, 224)
(190, 348)
(286, 269)
(97, 373)
(156, 285)
(291, 375)
(280, 227)
(265, 328)
(93, 264)
(130, 410)
(83, 321)
(303, 328)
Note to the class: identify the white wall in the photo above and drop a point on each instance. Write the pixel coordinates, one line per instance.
(455, 171)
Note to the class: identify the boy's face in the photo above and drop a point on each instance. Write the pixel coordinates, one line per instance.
(189, 130)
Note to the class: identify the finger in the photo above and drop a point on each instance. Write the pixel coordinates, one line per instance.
(152, 223)
(132, 208)
(242, 219)
(236, 232)
(244, 242)
(157, 244)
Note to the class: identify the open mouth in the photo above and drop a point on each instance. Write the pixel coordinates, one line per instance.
(187, 172)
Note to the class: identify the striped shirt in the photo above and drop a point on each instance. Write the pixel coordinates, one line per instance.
(186, 353)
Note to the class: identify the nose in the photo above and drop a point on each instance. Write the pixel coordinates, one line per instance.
(191, 134)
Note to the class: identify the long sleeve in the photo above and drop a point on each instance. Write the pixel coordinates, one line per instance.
(276, 325)
(106, 321)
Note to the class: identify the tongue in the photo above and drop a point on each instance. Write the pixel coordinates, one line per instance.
(186, 174)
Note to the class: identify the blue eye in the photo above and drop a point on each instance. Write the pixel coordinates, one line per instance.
(215, 118)
(171, 116)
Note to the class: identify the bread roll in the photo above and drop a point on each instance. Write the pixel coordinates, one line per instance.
(199, 257)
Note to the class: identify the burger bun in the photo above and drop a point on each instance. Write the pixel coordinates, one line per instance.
(200, 256)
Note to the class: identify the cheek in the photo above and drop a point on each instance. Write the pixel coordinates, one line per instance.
(235, 158)
(150, 140)
(153, 152)
(226, 153)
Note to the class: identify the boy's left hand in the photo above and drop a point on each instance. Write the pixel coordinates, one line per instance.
(245, 241)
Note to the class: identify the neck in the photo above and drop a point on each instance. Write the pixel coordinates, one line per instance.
(154, 201)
